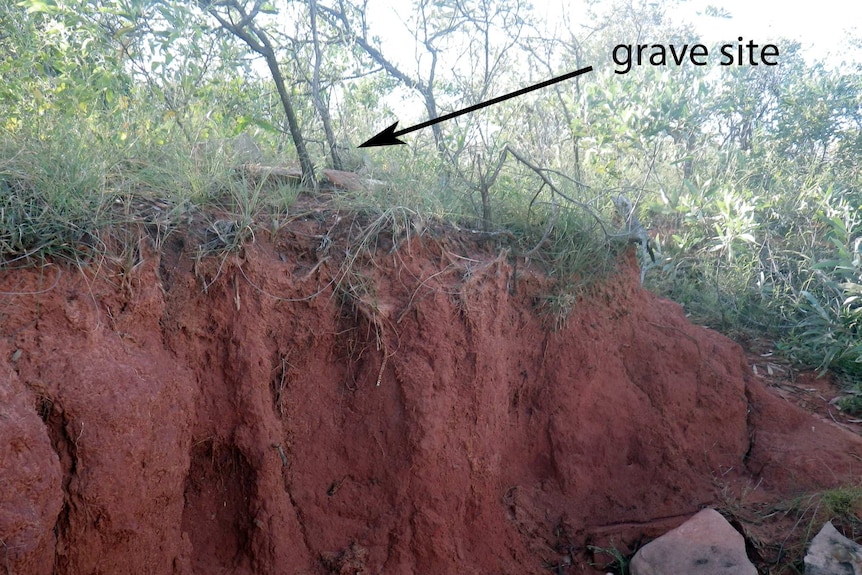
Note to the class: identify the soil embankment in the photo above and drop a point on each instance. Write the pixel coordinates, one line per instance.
(276, 411)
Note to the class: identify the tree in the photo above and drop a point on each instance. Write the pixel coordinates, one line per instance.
(350, 20)
(316, 95)
(240, 21)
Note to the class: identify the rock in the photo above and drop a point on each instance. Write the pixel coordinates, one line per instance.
(830, 553)
(706, 544)
(350, 181)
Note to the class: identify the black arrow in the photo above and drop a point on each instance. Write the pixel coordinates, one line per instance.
(389, 136)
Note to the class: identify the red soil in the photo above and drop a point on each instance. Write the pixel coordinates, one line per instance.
(415, 415)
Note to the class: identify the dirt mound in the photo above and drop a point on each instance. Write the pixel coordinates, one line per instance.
(278, 411)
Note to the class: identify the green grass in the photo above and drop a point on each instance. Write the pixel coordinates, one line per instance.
(69, 191)
(64, 189)
(610, 559)
(778, 534)
(841, 505)
(67, 184)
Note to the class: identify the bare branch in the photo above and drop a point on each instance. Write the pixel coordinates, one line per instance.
(258, 41)
(542, 174)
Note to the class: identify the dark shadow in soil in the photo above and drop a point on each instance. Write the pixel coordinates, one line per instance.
(216, 517)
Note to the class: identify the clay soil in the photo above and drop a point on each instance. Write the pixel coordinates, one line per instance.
(353, 396)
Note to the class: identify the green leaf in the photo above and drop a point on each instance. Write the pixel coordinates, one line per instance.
(40, 6)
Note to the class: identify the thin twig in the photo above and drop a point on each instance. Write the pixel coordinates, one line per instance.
(541, 173)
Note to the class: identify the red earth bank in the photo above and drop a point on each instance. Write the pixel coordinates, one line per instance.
(270, 412)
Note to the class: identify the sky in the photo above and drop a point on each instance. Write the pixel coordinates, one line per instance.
(820, 26)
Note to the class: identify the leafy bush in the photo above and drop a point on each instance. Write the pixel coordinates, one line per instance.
(748, 176)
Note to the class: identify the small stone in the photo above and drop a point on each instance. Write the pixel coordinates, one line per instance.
(706, 544)
(830, 553)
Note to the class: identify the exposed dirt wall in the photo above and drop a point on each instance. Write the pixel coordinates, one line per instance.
(417, 415)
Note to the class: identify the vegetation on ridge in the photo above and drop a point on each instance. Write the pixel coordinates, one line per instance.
(749, 177)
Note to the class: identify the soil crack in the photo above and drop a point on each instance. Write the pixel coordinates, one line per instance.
(64, 442)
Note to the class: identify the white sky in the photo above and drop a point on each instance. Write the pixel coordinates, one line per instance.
(823, 29)
(821, 26)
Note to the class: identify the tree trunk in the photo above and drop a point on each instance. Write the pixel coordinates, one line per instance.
(305, 163)
(319, 104)
(258, 41)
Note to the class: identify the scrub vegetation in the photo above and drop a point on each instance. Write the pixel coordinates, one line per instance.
(747, 175)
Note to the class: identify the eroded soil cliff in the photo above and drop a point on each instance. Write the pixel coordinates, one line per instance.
(302, 406)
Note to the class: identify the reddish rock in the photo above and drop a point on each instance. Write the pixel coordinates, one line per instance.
(349, 181)
(706, 544)
(412, 415)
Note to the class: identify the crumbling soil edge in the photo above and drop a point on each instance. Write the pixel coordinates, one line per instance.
(443, 409)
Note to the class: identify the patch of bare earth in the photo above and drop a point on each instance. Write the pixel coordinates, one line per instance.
(352, 397)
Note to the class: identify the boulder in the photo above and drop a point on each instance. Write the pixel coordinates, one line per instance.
(830, 553)
(706, 544)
